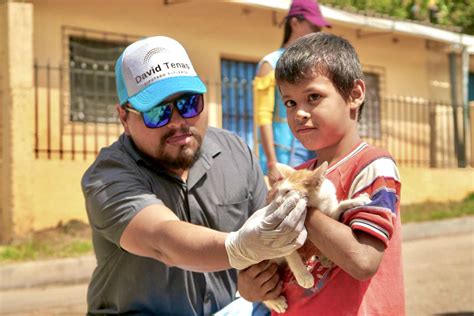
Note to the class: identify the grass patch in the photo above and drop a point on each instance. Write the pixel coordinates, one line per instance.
(430, 211)
(70, 240)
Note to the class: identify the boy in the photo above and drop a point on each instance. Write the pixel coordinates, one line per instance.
(360, 269)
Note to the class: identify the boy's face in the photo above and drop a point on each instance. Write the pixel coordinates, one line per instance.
(318, 115)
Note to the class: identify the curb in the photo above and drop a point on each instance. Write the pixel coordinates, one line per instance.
(430, 229)
(41, 273)
(76, 270)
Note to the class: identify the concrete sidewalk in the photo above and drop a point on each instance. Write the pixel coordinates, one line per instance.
(76, 270)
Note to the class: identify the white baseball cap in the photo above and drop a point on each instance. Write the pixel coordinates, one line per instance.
(150, 70)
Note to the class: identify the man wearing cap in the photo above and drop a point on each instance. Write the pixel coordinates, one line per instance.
(276, 142)
(169, 202)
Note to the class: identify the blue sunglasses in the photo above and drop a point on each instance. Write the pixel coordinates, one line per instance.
(188, 106)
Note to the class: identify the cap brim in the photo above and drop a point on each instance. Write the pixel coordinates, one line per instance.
(317, 20)
(155, 93)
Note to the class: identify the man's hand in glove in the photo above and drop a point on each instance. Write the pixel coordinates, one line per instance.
(271, 232)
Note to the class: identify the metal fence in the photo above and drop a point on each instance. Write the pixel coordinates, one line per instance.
(58, 133)
(426, 133)
(417, 132)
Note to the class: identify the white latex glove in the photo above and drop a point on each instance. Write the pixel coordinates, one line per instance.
(271, 232)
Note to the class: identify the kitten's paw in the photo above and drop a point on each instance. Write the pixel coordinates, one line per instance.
(362, 199)
(305, 280)
(279, 304)
(365, 198)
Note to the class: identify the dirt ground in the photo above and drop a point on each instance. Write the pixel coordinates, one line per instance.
(72, 229)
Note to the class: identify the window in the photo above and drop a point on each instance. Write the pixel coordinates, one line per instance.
(369, 125)
(237, 98)
(92, 79)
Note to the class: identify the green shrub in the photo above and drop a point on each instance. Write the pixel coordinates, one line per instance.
(437, 210)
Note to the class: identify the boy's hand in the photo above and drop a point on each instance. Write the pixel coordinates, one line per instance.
(260, 282)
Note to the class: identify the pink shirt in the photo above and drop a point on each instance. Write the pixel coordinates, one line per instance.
(371, 170)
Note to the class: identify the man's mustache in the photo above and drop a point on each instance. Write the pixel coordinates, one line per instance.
(183, 130)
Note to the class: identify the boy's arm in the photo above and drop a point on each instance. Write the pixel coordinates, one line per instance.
(358, 243)
(356, 252)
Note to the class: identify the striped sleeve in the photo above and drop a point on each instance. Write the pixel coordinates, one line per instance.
(381, 180)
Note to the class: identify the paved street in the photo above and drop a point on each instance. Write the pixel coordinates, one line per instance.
(53, 300)
(439, 276)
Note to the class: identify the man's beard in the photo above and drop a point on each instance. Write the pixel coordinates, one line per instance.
(186, 156)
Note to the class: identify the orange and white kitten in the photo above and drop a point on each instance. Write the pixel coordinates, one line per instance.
(321, 194)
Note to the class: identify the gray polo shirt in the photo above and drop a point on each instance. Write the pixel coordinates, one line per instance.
(223, 188)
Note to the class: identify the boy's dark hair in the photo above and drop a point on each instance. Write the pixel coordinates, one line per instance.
(322, 53)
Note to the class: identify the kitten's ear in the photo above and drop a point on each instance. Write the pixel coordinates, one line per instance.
(320, 173)
(321, 170)
(274, 176)
(279, 173)
(284, 170)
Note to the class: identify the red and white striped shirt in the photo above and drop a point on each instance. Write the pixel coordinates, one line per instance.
(365, 169)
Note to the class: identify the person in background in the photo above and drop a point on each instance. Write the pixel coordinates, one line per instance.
(276, 143)
(174, 204)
